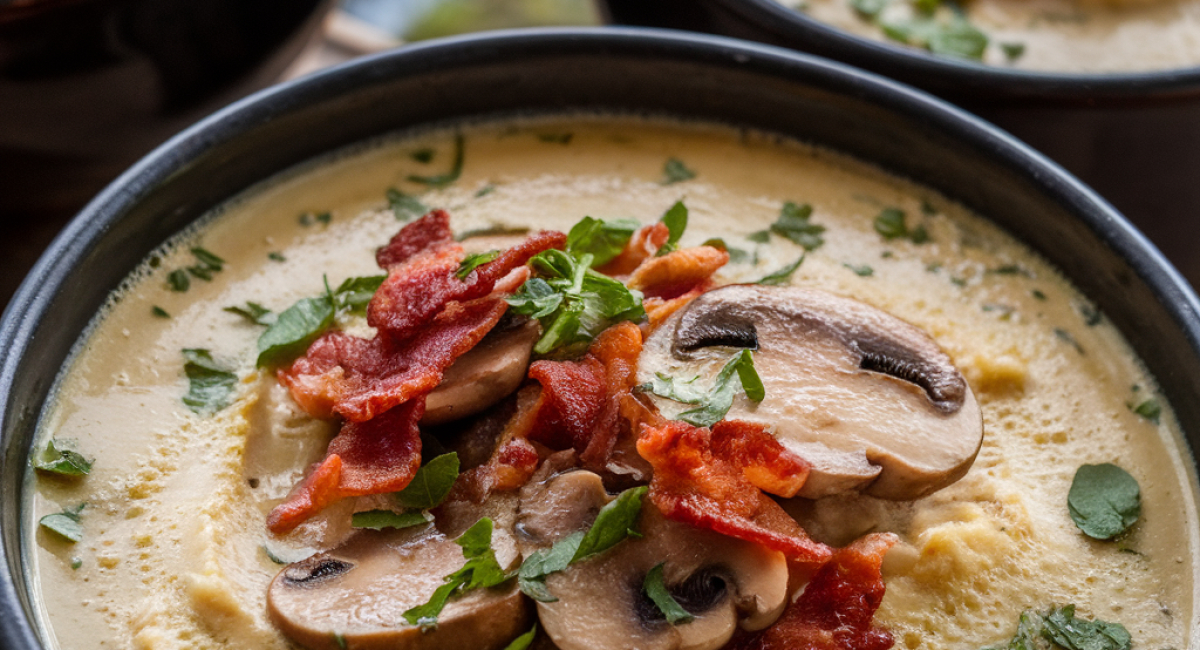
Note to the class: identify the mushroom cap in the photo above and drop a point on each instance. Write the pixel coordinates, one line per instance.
(361, 590)
(483, 376)
(871, 401)
(720, 580)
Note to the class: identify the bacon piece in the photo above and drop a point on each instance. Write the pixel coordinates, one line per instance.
(617, 349)
(836, 608)
(424, 234)
(571, 401)
(693, 485)
(677, 272)
(373, 457)
(514, 459)
(644, 243)
(659, 309)
(361, 378)
(418, 289)
(764, 462)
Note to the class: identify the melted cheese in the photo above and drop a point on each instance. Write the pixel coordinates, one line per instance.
(175, 549)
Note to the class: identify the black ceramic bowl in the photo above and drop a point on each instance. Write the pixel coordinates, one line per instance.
(665, 73)
(1134, 137)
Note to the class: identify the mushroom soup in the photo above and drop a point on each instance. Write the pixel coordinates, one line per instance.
(244, 450)
(1067, 36)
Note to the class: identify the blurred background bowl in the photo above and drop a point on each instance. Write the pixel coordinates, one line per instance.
(1133, 137)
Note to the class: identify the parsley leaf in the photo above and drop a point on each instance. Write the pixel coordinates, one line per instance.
(177, 280)
(380, 519)
(1059, 629)
(255, 313)
(861, 270)
(868, 8)
(674, 171)
(1104, 500)
(604, 240)
(423, 155)
(210, 386)
(573, 302)
(523, 642)
(276, 256)
(442, 180)
(759, 236)
(793, 223)
(405, 207)
(159, 312)
(616, 521)
(891, 224)
(1149, 409)
(309, 218)
(676, 220)
(494, 229)
(713, 405)
(481, 570)
(736, 255)
(431, 484)
(62, 457)
(954, 37)
(654, 587)
(1012, 51)
(474, 261)
(782, 276)
(66, 524)
(354, 294)
(294, 329)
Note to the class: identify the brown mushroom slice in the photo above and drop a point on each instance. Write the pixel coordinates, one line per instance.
(722, 581)
(360, 591)
(869, 399)
(483, 376)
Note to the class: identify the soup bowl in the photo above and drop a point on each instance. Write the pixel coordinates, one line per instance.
(628, 71)
(1131, 136)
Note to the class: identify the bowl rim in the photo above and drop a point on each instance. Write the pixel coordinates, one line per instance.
(959, 76)
(29, 305)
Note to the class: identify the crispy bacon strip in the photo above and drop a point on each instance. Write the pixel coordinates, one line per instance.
(416, 290)
(617, 349)
(570, 404)
(644, 243)
(659, 309)
(693, 485)
(361, 378)
(514, 460)
(373, 457)
(677, 272)
(424, 234)
(764, 462)
(836, 608)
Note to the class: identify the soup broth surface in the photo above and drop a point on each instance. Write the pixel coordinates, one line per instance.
(175, 552)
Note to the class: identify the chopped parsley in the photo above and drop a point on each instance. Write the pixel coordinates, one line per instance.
(1059, 629)
(861, 270)
(431, 484)
(736, 255)
(523, 642)
(603, 239)
(1149, 409)
(760, 236)
(177, 280)
(405, 207)
(423, 155)
(474, 261)
(159, 312)
(296, 327)
(654, 588)
(62, 457)
(868, 8)
(442, 180)
(481, 570)
(491, 231)
(380, 519)
(615, 522)
(891, 224)
(573, 302)
(276, 256)
(1066, 337)
(793, 223)
(354, 294)
(955, 36)
(782, 276)
(712, 405)
(1012, 51)
(67, 524)
(674, 171)
(254, 312)
(1091, 315)
(676, 221)
(1104, 500)
(210, 385)
(309, 218)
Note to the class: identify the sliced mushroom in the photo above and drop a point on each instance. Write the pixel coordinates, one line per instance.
(360, 591)
(720, 580)
(483, 376)
(870, 400)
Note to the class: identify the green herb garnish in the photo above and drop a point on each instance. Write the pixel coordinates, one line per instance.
(1066, 337)
(891, 224)
(442, 180)
(423, 155)
(309, 218)
(405, 207)
(522, 642)
(276, 256)
(615, 522)
(210, 386)
(354, 294)
(431, 484)
(491, 231)
(177, 280)
(159, 312)
(674, 171)
(76, 563)
(573, 302)
(1149, 409)
(254, 312)
(339, 641)
(760, 236)
(1104, 500)
(62, 457)
(656, 590)
(66, 524)
(380, 519)
(955, 37)
(782, 276)
(1059, 629)
(676, 220)
(868, 8)
(480, 571)
(861, 270)
(604, 240)
(712, 405)
(474, 261)
(736, 255)
(1091, 315)
(294, 329)
(1012, 51)
(793, 223)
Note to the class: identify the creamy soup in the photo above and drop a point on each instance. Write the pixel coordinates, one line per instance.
(1069, 36)
(175, 552)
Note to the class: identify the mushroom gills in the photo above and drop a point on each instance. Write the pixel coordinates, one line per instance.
(360, 591)
(724, 582)
(872, 402)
